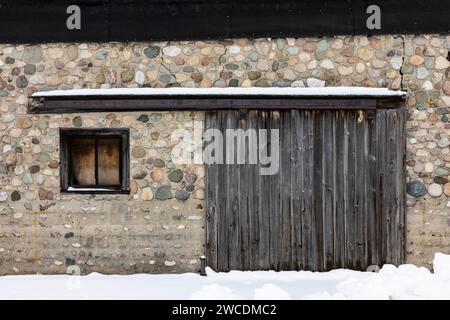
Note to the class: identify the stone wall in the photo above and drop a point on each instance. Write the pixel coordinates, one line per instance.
(159, 227)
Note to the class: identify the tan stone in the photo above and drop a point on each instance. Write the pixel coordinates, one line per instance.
(365, 54)
(72, 52)
(441, 63)
(53, 80)
(133, 186)
(416, 60)
(24, 122)
(55, 53)
(147, 194)
(447, 189)
(157, 175)
(345, 71)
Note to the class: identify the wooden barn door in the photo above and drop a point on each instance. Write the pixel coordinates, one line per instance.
(338, 199)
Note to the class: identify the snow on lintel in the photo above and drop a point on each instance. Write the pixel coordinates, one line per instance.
(173, 92)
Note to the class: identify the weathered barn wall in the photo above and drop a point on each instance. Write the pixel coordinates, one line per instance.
(43, 231)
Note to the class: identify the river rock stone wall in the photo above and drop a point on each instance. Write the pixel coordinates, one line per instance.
(159, 227)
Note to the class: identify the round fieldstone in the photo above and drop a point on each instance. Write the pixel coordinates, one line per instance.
(133, 186)
(440, 180)
(197, 76)
(444, 142)
(435, 190)
(446, 87)
(72, 52)
(442, 172)
(157, 175)
(254, 75)
(15, 196)
(143, 118)
(138, 173)
(101, 55)
(32, 54)
(43, 157)
(159, 163)
(147, 194)
(155, 117)
(27, 179)
(54, 164)
(416, 60)
(34, 169)
(190, 177)
(11, 159)
(163, 193)
(3, 196)
(15, 71)
(233, 83)
(3, 169)
(77, 121)
(190, 188)
(171, 51)
(152, 52)
(447, 189)
(127, 75)
(176, 175)
(45, 194)
(138, 152)
(24, 123)
(416, 188)
(10, 60)
(181, 195)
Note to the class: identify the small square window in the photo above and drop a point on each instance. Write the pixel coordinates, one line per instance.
(95, 160)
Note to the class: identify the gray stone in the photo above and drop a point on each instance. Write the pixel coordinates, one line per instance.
(30, 69)
(10, 60)
(32, 54)
(181, 195)
(231, 66)
(15, 196)
(152, 52)
(190, 177)
(43, 157)
(3, 196)
(22, 82)
(143, 118)
(442, 172)
(77, 122)
(416, 188)
(138, 173)
(27, 178)
(444, 142)
(3, 169)
(163, 193)
(176, 175)
(155, 117)
(102, 55)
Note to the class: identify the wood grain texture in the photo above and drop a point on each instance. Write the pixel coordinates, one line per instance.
(338, 200)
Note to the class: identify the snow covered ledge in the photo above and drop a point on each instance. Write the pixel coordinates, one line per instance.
(137, 99)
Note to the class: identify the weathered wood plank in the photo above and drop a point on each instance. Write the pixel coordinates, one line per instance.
(211, 180)
(337, 201)
(328, 161)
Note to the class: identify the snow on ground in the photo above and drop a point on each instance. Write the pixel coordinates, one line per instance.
(404, 282)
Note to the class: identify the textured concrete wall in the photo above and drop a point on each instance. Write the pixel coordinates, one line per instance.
(43, 231)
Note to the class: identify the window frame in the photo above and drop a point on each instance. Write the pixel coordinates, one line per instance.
(66, 134)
